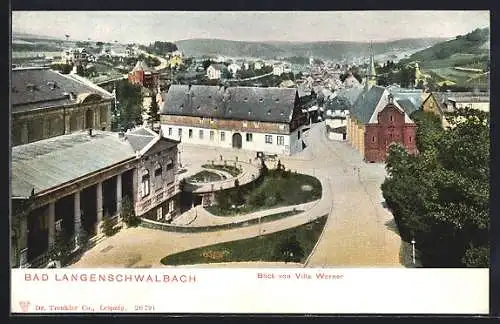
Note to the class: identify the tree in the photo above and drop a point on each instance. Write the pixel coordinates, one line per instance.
(99, 44)
(440, 196)
(206, 63)
(226, 74)
(128, 112)
(154, 110)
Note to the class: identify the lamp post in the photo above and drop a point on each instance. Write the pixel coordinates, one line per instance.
(413, 250)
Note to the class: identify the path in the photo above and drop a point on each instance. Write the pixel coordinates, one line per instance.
(355, 234)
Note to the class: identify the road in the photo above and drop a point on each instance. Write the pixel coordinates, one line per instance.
(358, 232)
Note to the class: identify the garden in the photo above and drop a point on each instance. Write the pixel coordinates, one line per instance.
(232, 170)
(274, 188)
(290, 245)
(205, 176)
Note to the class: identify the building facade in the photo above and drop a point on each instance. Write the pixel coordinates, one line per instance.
(214, 71)
(256, 119)
(376, 121)
(66, 185)
(46, 103)
(144, 76)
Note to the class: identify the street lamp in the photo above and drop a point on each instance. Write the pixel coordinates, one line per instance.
(413, 250)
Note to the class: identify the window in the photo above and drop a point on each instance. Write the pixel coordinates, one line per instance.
(179, 131)
(158, 170)
(373, 139)
(171, 205)
(212, 135)
(269, 139)
(280, 140)
(222, 136)
(58, 225)
(391, 117)
(410, 139)
(170, 131)
(249, 137)
(145, 183)
(298, 134)
(170, 164)
(190, 133)
(201, 134)
(159, 213)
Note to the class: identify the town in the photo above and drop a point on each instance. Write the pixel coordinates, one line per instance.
(229, 153)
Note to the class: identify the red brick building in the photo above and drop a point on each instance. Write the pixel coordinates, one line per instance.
(377, 120)
(144, 76)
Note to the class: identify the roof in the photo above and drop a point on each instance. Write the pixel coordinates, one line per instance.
(219, 67)
(366, 103)
(240, 103)
(142, 66)
(49, 163)
(350, 94)
(407, 105)
(34, 88)
(465, 96)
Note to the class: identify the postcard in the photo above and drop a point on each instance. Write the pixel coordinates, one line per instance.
(314, 163)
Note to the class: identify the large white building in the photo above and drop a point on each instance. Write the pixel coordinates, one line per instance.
(256, 119)
(214, 71)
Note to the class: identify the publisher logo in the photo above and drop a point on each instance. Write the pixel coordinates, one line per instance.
(25, 305)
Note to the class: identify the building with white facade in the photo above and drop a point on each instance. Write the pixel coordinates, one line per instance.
(257, 119)
(214, 71)
(278, 69)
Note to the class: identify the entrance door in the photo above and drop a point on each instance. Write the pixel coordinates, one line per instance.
(89, 119)
(237, 140)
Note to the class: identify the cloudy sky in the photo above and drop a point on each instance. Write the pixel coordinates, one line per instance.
(146, 26)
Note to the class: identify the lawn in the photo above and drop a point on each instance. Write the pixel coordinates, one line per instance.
(205, 176)
(293, 244)
(232, 170)
(276, 189)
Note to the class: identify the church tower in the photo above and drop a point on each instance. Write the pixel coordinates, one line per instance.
(371, 74)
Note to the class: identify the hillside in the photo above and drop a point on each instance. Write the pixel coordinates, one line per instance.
(461, 60)
(323, 50)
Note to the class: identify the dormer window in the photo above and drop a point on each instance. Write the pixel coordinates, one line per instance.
(198, 107)
(245, 99)
(277, 99)
(249, 112)
(269, 112)
(261, 100)
(182, 107)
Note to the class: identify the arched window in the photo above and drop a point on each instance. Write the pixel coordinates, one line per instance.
(145, 183)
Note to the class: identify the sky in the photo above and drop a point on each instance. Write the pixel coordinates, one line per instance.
(297, 26)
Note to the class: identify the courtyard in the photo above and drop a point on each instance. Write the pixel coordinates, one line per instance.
(357, 232)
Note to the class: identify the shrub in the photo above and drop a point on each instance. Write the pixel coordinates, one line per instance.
(128, 213)
(107, 226)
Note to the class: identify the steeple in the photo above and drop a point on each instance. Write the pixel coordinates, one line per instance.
(371, 77)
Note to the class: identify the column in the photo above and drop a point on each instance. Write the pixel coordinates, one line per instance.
(24, 133)
(52, 225)
(99, 206)
(134, 185)
(77, 218)
(118, 194)
(23, 241)
(67, 123)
